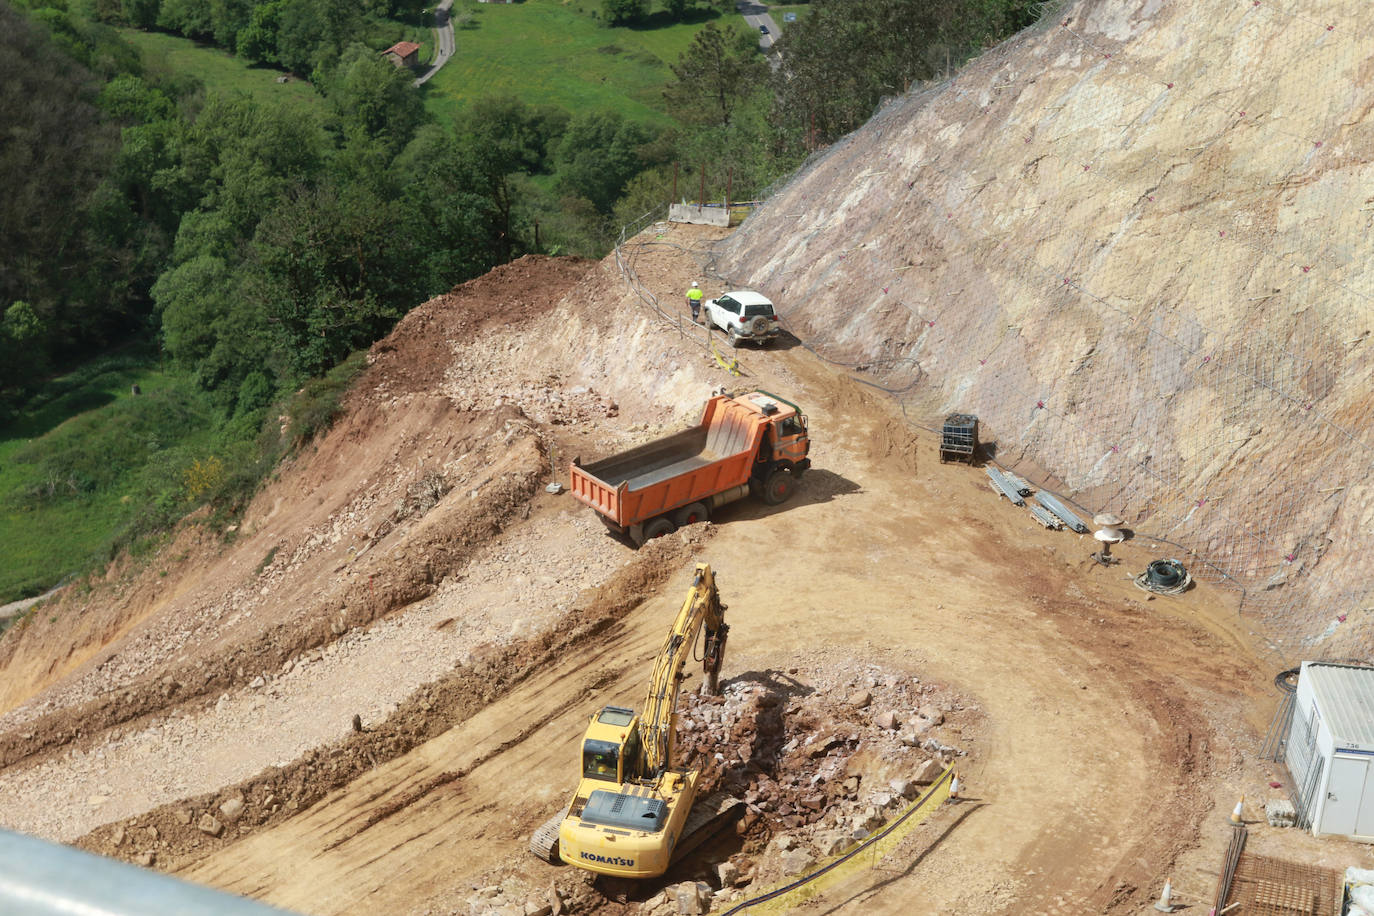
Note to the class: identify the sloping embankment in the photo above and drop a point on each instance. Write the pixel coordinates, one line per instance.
(1134, 241)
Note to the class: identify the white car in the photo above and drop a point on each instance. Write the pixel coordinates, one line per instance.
(743, 315)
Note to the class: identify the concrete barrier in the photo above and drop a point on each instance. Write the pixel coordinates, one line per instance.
(701, 216)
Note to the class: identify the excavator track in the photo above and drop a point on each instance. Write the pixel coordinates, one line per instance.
(709, 815)
(544, 841)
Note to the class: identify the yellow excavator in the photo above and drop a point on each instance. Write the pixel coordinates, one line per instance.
(633, 813)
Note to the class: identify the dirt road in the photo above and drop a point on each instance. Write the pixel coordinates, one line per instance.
(1090, 774)
(1103, 727)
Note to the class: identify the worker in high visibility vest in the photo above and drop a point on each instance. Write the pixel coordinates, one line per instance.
(694, 300)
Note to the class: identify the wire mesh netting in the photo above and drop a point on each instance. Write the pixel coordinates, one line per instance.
(1136, 249)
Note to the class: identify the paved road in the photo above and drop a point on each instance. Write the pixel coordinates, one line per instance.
(756, 14)
(443, 31)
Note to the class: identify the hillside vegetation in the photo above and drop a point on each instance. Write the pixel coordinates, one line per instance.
(247, 236)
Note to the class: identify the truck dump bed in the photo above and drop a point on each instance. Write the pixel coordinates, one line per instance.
(674, 471)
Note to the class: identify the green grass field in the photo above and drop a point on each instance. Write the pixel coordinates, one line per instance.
(544, 52)
(217, 69)
(78, 427)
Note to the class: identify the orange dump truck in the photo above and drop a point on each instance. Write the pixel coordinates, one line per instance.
(751, 443)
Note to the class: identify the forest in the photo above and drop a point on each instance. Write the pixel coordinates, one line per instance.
(235, 253)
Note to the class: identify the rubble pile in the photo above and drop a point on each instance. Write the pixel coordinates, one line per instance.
(822, 759)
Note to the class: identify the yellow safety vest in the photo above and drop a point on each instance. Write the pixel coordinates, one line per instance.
(694, 294)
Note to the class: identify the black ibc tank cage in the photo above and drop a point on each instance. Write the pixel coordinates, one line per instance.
(959, 437)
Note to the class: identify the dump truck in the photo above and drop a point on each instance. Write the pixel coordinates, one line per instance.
(754, 442)
(635, 811)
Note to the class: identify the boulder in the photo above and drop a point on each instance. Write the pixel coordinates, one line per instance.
(832, 844)
(693, 899)
(904, 788)
(931, 714)
(183, 816)
(927, 772)
(886, 720)
(728, 874)
(861, 699)
(538, 907)
(784, 842)
(208, 823)
(796, 861)
(231, 809)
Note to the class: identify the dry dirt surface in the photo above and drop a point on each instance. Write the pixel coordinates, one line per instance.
(411, 570)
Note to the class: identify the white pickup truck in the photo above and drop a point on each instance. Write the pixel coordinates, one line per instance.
(743, 315)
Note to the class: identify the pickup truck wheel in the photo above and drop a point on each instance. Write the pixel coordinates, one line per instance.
(658, 527)
(779, 487)
(689, 515)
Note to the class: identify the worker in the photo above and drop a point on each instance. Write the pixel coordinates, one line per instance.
(694, 300)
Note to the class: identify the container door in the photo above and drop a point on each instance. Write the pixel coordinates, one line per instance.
(1344, 790)
(1364, 824)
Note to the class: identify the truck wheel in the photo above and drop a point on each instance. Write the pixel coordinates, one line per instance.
(689, 515)
(732, 337)
(778, 487)
(658, 527)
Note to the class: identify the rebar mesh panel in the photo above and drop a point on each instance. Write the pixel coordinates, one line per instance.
(1266, 886)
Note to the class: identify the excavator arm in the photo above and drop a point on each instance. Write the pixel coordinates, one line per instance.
(658, 723)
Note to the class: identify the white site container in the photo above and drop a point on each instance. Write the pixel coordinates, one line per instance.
(1330, 750)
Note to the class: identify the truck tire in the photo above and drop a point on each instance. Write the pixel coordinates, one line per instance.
(759, 326)
(658, 527)
(732, 337)
(689, 515)
(778, 487)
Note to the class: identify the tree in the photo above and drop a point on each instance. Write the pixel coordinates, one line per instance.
(55, 153)
(503, 138)
(23, 340)
(257, 42)
(624, 12)
(845, 55)
(141, 14)
(373, 99)
(449, 192)
(598, 154)
(189, 17)
(334, 268)
(714, 76)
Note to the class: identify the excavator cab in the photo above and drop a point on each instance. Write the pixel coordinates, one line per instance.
(612, 748)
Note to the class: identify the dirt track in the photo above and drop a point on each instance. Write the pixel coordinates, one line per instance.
(1109, 727)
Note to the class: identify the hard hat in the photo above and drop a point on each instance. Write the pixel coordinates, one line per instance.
(694, 284)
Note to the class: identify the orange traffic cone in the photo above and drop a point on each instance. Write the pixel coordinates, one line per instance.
(1165, 904)
(1236, 815)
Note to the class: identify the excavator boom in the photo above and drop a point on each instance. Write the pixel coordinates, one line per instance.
(658, 722)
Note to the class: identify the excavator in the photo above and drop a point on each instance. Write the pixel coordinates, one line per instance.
(634, 813)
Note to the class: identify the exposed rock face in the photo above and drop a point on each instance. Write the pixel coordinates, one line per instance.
(1134, 242)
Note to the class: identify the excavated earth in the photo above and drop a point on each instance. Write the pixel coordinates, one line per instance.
(365, 695)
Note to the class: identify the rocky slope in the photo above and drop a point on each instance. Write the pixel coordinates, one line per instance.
(1134, 241)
